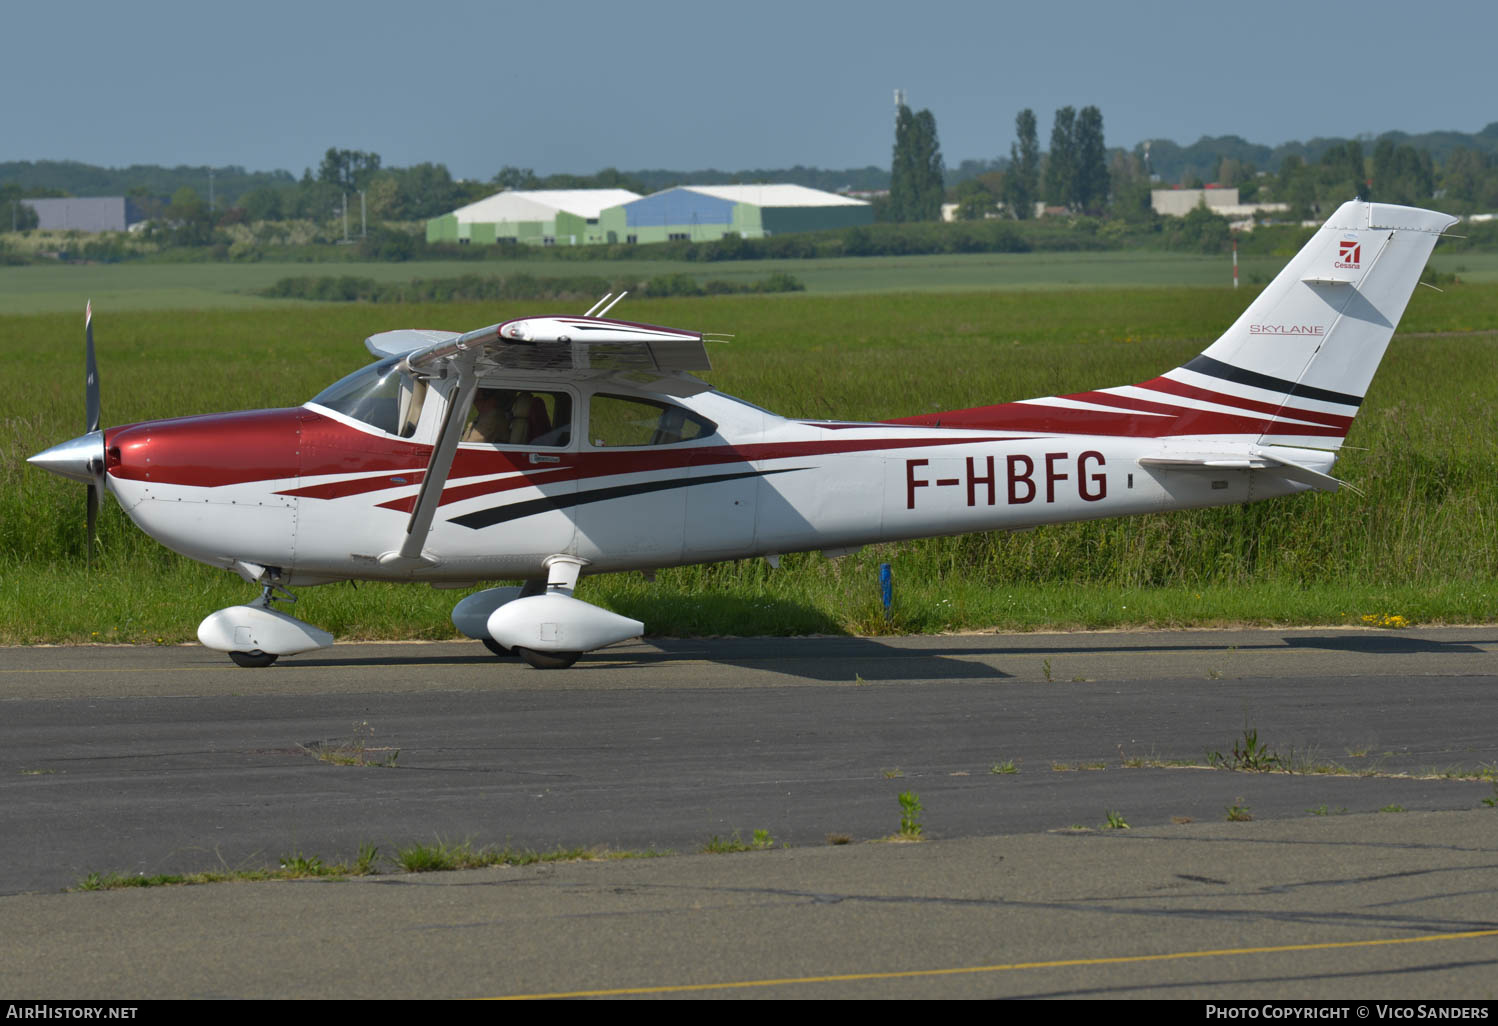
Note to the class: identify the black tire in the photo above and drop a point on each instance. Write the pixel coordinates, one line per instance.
(497, 648)
(547, 660)
(253, 659)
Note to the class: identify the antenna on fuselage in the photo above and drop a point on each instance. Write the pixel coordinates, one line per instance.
(613, 304)
(596, 305)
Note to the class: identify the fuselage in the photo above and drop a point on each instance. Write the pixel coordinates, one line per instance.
(320, 492)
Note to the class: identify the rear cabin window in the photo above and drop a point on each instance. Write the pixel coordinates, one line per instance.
(616, 420)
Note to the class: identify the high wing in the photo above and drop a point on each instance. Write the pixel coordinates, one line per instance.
(645, 356)
(406, 340)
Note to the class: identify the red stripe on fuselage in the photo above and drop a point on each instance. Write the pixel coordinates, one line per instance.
(1063, 420)
(1186, 391)
(265, 445)
(588, 465)
(1188, 418)
(357, 486)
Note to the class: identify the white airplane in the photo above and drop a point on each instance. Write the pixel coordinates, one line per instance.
(543, 448)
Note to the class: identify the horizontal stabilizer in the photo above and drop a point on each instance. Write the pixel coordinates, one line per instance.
(1203, 463)
(1258, 460)
(1306, 476)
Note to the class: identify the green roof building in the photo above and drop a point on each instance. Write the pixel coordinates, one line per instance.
(545, 217)
(701, 213)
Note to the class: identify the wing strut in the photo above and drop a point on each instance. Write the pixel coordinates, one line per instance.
(410, 555)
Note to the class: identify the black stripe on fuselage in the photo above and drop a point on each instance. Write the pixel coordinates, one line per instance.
(482, 518)
(1227, 372)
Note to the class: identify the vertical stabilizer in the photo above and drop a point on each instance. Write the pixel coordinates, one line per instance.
(1292, 370)
(1307, 347)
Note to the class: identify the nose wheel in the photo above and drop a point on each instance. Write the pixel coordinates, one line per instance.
(547, 660)
(255, 659)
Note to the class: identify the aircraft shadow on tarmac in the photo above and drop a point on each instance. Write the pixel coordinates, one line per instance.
(844, 658)
(1383, 644)
(839, 659)
(831, 659)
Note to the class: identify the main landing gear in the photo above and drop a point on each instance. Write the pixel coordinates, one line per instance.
(253, 658)
(541, 622)
(536, 658)
(547, 660)
(257, 635)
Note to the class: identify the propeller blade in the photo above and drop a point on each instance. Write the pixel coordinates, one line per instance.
(91, 423)
(90, 373)
(93, 524)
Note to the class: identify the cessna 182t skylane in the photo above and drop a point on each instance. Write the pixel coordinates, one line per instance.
(596, 450)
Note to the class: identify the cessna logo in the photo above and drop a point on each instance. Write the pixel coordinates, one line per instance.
(1349, 255)
(1286, 329)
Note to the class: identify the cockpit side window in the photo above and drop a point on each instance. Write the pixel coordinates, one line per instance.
(616, 420)
(412, 398)
(520, 416)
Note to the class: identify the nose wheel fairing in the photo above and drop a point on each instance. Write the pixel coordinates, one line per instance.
(256, 635)
(259, 629)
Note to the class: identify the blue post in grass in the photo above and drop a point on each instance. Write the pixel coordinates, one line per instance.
(886, 588)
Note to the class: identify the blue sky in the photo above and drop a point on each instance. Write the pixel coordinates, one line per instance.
(583, 85)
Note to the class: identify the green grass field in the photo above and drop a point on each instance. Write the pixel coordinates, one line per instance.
(138, 286)
(1421, 543)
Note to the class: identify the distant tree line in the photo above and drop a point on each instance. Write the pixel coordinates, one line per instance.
(15, 215)
(1077, 176)
(1073, 175)
(74, 178)
(475, 287)
(1081, 176)
(1201, 159)
(915, 177)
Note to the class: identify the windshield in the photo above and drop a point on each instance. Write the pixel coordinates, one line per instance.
(380, 396)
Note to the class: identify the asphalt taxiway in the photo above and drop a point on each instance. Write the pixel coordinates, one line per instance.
(1379, 851)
